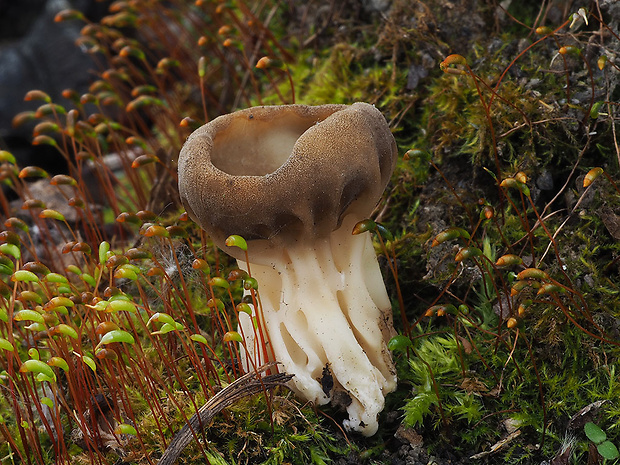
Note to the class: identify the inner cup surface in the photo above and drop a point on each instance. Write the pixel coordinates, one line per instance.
(253, 147)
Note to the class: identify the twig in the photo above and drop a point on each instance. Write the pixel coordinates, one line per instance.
(247, 385)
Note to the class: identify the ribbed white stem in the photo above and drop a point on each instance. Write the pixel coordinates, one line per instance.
(325, 304)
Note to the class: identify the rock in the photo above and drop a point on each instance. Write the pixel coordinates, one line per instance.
(41, 54)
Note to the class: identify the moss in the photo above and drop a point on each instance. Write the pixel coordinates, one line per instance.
(472, 372)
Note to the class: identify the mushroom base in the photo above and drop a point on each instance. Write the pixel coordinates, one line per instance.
(328, 319)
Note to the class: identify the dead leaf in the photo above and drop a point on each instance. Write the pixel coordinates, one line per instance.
(473, 385)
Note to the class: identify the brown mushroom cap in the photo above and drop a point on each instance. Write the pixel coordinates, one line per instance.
(280, 174)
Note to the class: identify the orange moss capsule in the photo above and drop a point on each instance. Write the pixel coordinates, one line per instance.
(71, 94)
(451, 60)
(50, 319)
(13, 222)
(216, 303)
(59, 362)
(200, 264)
(263, 63)
(467, 252)
(56, 302)
(109, 99)
(50, 109)
(412, 153)
(512, 183)
(449, 234)
(176, 232)
(237, 241)
(533, 273)
(224, 30)
(127, 217)
(77, 203)
(591, 176)
(143, 90)
(45, 127)
(523, 306)
(268, 63)
(106, 354)
(67, 247)
(7, 173)
(166, 63)
(7, 157)
(126, 272)
(218, 282)
(363, 226)
(518, 286)
(118, 6)
(120, 20)
(81, 247)
(134, 140)
(155, 271)
(98, 86)
(143, 160)
(232, 336)
(155, 230)
(33, 203)
(544, 30)
(116, 260)
(36, 267)
(83, 155)
(143, 101)
(569, 50)
(509, 260)
(23, 117)
(236, 274)
(250, 283)
(37, 95)
(440, 310)
(512, 322)
(112, 73)
(33, 172)
(88, 43)
(188, 122)
(63, 180)
(487, 212)
(550, 288)
(147, 215)
(68, 14)
(88, 98)
(10, 237)
(245, 308)
(202, 67)
(87, 297)
(44, 140)
(521, 177)
(137, 253)
(30, 296)
(51, 214)
(72, 117)
(111, 291)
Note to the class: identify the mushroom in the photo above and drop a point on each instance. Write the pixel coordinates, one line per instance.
(294, 180)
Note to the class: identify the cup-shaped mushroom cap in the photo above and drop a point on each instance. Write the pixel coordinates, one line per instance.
(280, 174)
